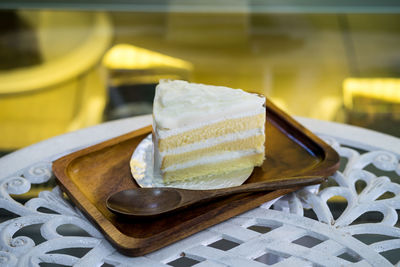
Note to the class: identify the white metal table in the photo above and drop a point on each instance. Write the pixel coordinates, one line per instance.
(299, 229)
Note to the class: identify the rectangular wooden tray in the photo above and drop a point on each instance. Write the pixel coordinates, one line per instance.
(88, 176)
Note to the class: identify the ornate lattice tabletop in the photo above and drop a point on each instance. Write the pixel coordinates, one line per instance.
(350, 220)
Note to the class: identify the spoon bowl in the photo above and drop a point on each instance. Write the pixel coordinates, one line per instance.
(153, 202)
(144, 202)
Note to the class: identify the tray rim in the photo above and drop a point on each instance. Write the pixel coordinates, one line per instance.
(133, 246)
(331, 161)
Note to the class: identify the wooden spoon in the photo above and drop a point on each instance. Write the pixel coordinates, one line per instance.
(152, 202)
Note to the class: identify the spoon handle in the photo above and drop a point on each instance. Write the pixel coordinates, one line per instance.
(263, 186)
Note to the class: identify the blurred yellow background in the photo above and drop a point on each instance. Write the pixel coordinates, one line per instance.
(62, 71)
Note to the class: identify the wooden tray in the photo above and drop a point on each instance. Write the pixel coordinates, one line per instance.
(88, 176)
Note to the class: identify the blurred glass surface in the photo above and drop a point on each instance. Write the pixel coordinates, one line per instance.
(65, 65)
(51, 79)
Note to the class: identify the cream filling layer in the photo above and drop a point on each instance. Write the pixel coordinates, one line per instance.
(214, 141)
(164, 133)
(213, 159)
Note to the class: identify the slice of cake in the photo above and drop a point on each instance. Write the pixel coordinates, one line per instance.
(202, 130)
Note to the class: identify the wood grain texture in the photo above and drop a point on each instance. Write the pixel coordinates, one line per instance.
(90, 175)
(146, 203)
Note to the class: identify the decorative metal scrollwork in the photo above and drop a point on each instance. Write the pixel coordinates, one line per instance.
(284, 218)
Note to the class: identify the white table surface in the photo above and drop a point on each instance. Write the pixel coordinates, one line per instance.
(292, 238)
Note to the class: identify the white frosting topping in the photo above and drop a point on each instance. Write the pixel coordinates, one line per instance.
(181, 104)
